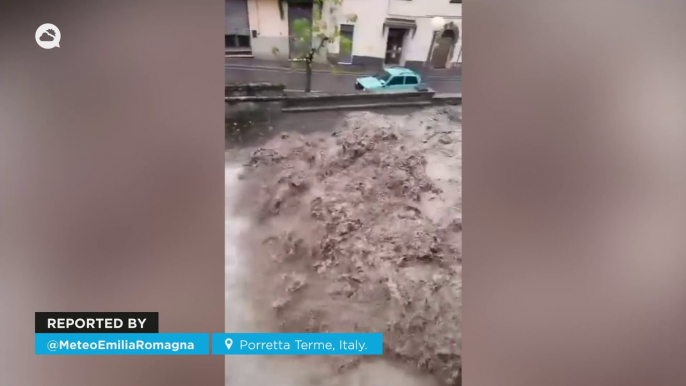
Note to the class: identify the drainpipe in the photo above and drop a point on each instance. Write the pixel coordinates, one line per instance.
(257, 11)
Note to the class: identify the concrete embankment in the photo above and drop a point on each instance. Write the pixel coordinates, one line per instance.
(263, 98)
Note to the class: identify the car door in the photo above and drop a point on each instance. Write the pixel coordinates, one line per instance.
(411, 82)
(396, 83)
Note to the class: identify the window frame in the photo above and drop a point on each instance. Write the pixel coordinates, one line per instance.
(402, 82)
(411, 77)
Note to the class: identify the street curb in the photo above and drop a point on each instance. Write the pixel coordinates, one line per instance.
(288, 69)
(355, 107)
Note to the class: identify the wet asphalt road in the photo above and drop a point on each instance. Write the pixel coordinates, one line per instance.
(327, 82)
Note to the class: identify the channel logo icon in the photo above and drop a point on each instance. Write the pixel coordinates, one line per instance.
(48, 36)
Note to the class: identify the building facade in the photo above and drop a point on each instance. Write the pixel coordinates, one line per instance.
(380, 32)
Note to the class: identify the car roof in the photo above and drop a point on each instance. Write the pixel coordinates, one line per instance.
(400, 71)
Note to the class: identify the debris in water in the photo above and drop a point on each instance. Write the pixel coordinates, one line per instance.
(365, 225)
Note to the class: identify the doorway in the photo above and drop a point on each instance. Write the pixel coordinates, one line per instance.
(345, 51)
(394, 45)
(299, 28)
(444, 47)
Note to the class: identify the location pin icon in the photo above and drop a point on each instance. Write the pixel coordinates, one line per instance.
(228, 342)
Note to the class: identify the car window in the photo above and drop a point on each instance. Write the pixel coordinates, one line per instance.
(385, 76)
(396, 81)
(411, 80)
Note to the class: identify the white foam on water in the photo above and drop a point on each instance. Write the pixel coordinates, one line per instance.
(282, 370)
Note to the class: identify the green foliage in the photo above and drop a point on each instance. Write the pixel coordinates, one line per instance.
(323, 28)
(302, 32)
(316, 13)
(302, 36)
(302, 27)
(346, 44)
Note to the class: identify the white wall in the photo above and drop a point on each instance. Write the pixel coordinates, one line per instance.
(369, 38)
(423, 8)
(272, 31)
(418, 47)
(423, 11)
(265, 18)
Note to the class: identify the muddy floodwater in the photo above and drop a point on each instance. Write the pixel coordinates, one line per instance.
(241, 317)
(352, 228)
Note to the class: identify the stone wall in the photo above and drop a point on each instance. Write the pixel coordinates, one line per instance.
(254, 89)
(243, 114)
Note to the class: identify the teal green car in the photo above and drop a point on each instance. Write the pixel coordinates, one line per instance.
(389, 80)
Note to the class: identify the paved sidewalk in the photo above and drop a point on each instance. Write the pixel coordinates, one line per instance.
(277, 65)
(282, 64)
